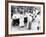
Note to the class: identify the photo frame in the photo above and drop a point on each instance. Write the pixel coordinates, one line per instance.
(24, 18)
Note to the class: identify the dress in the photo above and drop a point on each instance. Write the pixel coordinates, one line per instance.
(21, 20)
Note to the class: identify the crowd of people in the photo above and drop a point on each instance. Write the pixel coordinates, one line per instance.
(31, 13)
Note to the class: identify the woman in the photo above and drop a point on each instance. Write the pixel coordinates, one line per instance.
(21, 20)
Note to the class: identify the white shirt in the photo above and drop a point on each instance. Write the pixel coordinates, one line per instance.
(15, 16)
(29, 17)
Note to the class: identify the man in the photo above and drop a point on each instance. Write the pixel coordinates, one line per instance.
(29, 18)
(36, 19)
(15, 19)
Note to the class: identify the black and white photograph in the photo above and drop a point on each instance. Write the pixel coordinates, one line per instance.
(25, 18)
